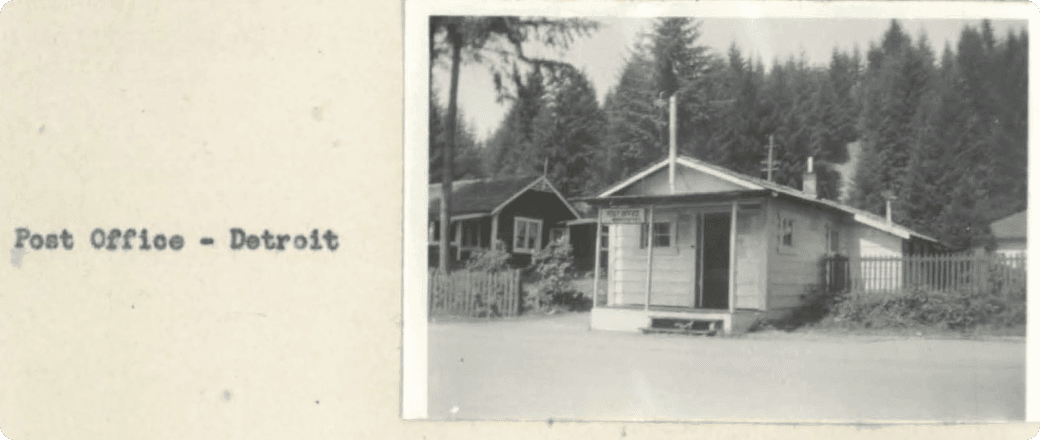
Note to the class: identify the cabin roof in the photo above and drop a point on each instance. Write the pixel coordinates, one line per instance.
(488, 196)
(754, 184)
(1011, 227)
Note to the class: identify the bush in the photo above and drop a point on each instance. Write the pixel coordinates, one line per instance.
(552, 267)
(958, 310)
(490, 260)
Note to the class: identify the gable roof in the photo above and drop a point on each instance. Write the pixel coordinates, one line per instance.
(753, 183)
(1011, 227)
(479, 197)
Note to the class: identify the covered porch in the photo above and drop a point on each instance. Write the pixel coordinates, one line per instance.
(681, 262)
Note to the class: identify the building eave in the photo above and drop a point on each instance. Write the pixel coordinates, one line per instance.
(666, 199)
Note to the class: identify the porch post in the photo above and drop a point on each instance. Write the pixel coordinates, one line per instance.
(649, 254)
(494, 231)
(732, 256)
(595, 271)
(458, 240)
(698, 300)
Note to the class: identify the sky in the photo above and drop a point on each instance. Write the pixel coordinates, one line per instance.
(602, 55)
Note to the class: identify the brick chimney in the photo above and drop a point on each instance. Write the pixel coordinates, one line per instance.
(809, 181)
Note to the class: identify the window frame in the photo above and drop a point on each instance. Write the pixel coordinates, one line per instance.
(643, 234)
(786, 230)
(526, 222)
(833, 241)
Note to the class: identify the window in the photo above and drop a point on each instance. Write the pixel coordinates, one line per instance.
(662, 235)
(833, 241)
(787, 232)
(604, 237)
(527, 234)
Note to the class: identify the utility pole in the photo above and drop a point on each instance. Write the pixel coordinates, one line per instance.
(769, 161)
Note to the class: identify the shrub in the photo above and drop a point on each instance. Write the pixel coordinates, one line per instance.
(490, 260)
(957, 310)
(552, 267)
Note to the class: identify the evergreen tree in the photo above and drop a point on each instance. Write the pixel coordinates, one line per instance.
(738, 138)
(512, 146)
(897, 76)
(683, 68)
(802, 109)
(632, 138)
(468, 163)
(478, 37)
(965, 142)
(568, 131)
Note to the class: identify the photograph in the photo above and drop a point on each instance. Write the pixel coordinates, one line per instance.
(683, 214)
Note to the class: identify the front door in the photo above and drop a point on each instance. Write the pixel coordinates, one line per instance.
(715, 261)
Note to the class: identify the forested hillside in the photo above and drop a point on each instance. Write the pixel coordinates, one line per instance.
(943, 135)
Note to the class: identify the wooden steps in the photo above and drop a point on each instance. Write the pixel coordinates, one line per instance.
(684, 326)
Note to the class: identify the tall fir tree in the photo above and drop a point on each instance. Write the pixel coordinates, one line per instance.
(512, 145)
(468, 163)
(632, 138)
(568, 132)
(897, 76)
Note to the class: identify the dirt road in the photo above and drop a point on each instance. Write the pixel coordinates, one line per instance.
(554, 367)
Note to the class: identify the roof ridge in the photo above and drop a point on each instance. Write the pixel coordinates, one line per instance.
(801, 194)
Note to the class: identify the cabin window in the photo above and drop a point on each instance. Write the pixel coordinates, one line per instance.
(527, 234)
(604, 236)
(787, 232)
(662, 235)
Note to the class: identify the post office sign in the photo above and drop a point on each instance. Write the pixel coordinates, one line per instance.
(622, 215)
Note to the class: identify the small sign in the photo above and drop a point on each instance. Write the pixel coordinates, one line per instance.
(622, 215)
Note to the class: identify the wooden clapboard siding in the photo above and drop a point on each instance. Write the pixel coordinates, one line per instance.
(875, 243)
(673, 270)
(687, 181)
(748, 258)
(794, 271)
(660, 274)
(872, 243)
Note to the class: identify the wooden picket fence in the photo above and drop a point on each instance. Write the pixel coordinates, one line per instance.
(473, 293)
(996, 273)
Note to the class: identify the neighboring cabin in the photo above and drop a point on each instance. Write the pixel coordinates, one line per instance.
(1009, 234)
(523, 212)
(724, 246)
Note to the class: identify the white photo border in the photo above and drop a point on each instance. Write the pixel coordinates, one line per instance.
(414, 388)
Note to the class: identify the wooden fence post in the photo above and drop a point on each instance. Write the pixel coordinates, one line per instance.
(519, 285)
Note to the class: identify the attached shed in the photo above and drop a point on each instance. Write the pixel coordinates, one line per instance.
(690, 240)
